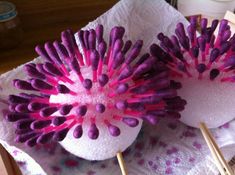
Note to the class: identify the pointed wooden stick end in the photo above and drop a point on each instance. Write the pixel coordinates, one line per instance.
(122, 163)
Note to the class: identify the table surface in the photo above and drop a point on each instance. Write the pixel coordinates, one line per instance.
(25, 51)
(7, 164)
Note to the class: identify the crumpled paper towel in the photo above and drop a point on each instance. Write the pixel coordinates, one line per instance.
(169, 148)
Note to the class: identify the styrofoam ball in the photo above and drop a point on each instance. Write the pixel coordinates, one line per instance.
(208, 101)
(105, 146)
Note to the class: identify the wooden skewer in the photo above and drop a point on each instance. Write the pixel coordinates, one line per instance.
(220, 155)
(218, 151)
(122, 163)
(211, 147)
(221, 163)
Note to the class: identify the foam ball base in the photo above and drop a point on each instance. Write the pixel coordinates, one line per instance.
(207, 101)
(104, 147)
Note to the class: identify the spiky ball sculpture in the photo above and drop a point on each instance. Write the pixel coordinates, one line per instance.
(92, 99)
(204, 64)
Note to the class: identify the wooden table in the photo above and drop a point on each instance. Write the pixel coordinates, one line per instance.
(7, 164)
(43, 20)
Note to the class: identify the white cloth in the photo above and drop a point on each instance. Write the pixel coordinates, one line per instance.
(169, 148)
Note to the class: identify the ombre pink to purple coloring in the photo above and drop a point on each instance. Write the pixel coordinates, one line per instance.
(187, 51)
(142, 80)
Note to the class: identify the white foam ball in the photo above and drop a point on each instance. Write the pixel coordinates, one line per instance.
(212, 102)
(105, 146)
